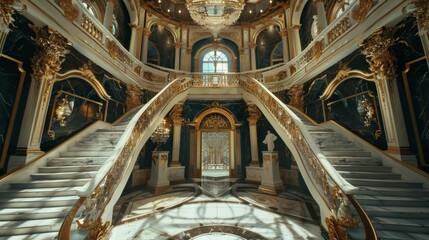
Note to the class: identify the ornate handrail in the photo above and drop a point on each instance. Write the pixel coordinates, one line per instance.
(331, 186)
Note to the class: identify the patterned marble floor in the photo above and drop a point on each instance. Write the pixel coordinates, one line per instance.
(187, 215)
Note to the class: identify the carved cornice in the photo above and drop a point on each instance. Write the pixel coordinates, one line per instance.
(70, 11)
(360, 14)
(49, 57)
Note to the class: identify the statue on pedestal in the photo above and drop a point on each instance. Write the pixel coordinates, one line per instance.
(269, 140)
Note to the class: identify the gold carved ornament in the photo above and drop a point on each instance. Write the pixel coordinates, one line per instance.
(70, 11)
(215, 121)
(381, 60)
(48, 58)
(176, 114)
(134, 94)
(7, 9)
(296, 94)
(254, 112)
(420, 10)
(318, 49)
(360, 14)
(335, 230)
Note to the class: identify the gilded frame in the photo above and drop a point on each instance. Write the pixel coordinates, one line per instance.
(14, 108)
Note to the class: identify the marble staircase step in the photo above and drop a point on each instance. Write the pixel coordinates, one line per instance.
(76, 161)
(369, 175)
(11, 228)
(39, 192)
(38, 202)
(354, 160)
(393, 191)
(110, 130)
(32, 236)
(358, 168)
(96, 144)
(398, 211)
(33, 213)
(316, 129)
(86, 154)
(394, 235)
(339, 148)
(348, 153)
(82, 148)
(50, 183)
(335, 144)
(383, 183)
(392, 201)
(401, 224)
(62, 175)
(58, 169)
(327, 135)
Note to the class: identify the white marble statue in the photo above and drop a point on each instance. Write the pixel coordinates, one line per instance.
(269, 140)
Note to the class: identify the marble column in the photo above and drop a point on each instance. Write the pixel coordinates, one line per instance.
(146, 34)
(382, 63)
(108, 15)
(177, 46)
(184, 52)
(45, 63)
(285, 46)
(135, 39)
(270, 175)
(254, 115)
(158, 181)
(296, 41)
(321, 14)
(176, 116)
(252, 47)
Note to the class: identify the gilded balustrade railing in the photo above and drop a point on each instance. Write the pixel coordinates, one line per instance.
(96, 195)
(335, 191)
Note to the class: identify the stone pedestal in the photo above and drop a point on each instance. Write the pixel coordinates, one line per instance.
(159, 173)
(270, 175)
(176, 173)
(253, 173)
(140, 176)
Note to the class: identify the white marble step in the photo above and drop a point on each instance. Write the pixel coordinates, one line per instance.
(50, 183)
(369, 175)
(86, 154)
(110, 130)
(354, 160)
(392, 201)
(12, 228)
(38, 202)
(393, 191)
(357, 168)
(33, 213)
(82, 148)
(96, 144)
(383, 183)
(335, 144)
(39, 192)
(62, 175)
(316, 129)
(58, 169)
(401, 224)
(327, 135)
(33, 236)
(339, 148)
(348, 153)
(398, 212)
(77, 161)
(394, 235)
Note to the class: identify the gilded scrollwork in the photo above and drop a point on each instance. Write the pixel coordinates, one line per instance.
(70, 11)
(296, 95)
(335, 230)
(176, 114)
(215, 121)
(254, 113)
(7, 9)
(420, 10)
(134, 94)
(381, 60)
(360, 14)
(48, 59)
(318, 49)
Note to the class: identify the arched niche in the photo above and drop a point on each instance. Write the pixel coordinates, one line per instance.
(164, 42)
(266, 42)
(203, 46)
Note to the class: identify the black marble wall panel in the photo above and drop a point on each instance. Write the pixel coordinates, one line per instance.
(266, 43)
(162, 39)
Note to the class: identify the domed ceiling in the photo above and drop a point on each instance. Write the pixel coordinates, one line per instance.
(176, 9)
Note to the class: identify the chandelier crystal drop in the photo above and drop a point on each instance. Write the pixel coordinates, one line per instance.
(215, 15)
(160, 135)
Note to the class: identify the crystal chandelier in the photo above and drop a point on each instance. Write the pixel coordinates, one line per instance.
(215, 15)
(160, 135)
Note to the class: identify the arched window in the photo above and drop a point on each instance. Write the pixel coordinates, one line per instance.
(215, 62)
(91, 9)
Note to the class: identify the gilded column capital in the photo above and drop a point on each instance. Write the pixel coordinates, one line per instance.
(420, 10)
(254, 114)
(295, 27)
(252, 45)
(241, 51)
(134, 94)
(176, 114)
(283, 33)
(147, 32)
(296, 94)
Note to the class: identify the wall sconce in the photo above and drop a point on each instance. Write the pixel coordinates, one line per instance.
(63, 111)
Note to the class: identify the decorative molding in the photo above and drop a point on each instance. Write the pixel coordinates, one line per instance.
(318, 49)
(70, 11)
(7, 9)
(335, 230)
(215, 121)
(296, 94)
(254, 113)
(134, 94)
(176, 114)
(360, 14)
(420, 10)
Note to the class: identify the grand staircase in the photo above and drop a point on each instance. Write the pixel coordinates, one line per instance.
(35, 209)
(398, 209)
